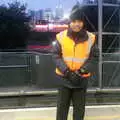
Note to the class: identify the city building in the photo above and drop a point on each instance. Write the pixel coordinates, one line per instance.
(48, 14)
(59, 12)
(40, 14)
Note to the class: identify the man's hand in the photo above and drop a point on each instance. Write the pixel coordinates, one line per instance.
(70, 75)
(83, 73)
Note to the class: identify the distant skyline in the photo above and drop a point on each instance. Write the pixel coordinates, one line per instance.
(42, 4)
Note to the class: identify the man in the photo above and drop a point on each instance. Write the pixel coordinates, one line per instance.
(75, 53)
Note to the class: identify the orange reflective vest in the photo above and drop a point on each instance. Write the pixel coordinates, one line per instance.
(74, 55)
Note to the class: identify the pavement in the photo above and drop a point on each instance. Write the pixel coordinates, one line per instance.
(103, 112)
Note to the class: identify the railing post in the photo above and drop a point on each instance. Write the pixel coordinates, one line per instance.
(100, 24)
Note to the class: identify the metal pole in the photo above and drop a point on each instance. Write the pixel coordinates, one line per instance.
(119, 26)
(100, 24)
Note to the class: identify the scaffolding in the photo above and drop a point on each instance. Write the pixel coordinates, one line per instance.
(101, 33)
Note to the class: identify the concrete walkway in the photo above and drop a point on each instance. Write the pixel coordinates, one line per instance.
(110, 112)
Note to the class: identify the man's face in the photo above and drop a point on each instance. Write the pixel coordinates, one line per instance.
(76, 25)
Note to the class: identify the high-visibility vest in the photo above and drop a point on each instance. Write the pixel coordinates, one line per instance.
(74, 55)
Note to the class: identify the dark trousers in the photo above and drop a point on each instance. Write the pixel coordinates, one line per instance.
(65, 96)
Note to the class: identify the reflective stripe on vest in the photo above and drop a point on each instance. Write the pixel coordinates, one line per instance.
(74, 59)
(90, 42)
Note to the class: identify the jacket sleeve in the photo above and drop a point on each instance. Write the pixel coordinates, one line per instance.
(93, 59)
(57, 56)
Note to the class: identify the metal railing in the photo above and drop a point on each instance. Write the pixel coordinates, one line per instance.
(33, 73)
